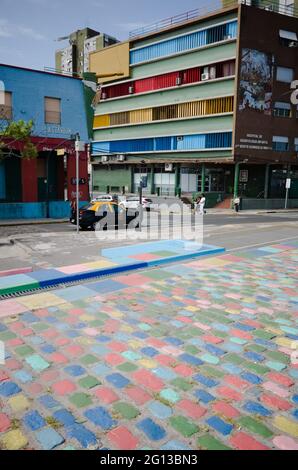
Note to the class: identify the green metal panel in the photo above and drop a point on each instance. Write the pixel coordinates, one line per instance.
(104, 177)
(187, 29)
(168, 128)
(203, 155)
(170, 96)
(186, 60)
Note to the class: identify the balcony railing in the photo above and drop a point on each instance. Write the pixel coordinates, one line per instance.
(272, 5)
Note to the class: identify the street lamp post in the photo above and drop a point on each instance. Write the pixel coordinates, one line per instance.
(79, 147)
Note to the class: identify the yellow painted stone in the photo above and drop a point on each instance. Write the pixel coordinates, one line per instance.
(233, 312)
(177, 297)
(286, 425)
(19, 403)
(99, 264)
(276, 331)
(87, 317)
(214, 262)
(191, 308)
(13, 440)
(116, 314)
(43, 300)
(286, 342)
(126, 328)
(85, 341)
(135, 344)
(148, 363)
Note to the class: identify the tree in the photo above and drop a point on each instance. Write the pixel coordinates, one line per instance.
(17, 131)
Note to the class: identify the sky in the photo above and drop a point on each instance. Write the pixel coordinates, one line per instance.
(29, 28)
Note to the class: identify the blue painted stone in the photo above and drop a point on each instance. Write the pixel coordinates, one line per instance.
(232, 347)
(140, 334)
(243, 327)
(232, 368)
(205, 380)
(36, 340)
(295, 398)
(256, 408)
(100, 370)
(29, 318)
(214, 350)
(49, 438)
(159, 410)
(175, 445)
(85, 437)
(2, 327)
(64, 417)
(189, 359)
(219, 425)
(75, 370)
(252, 378)
(48, 401)
(48, 348)
(103, 339)
(100, 349)
(253, 356)
(203, 396)
(100, 417)
(174, 341)
(295, 413)
(23, 376)
(152, 430)
(72, 334)
(164, 373)
(7, 389)
(151, 352)
(33, 420)
(118, 380)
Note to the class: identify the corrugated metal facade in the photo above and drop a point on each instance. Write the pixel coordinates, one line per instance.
(168, 80)
(189, 142)
(183, 43)
(174, 111)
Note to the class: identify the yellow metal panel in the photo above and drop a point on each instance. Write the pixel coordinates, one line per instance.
(117, 119)
(111, 60)
(140, 115)
(101, 121)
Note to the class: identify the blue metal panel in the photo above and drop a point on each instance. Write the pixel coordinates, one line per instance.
(184, 43)
(100, 147)
(219, 140)
(190, 142)
(163, 143)
(2, 181)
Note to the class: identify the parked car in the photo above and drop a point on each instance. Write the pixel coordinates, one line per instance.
(102, 215)
(103, 197)
(132, 202)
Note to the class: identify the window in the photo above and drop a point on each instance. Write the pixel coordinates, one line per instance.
(288, 38)
(280, 144)
(6, 106)
(296, 144)
(282, 109)
(284, 74)
(52, 110)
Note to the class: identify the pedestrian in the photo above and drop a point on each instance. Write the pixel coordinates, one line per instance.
(73, 209)
(237, 204)
(202, 203)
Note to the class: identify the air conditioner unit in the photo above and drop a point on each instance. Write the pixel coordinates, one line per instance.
(269, 8)
(212, 72)
(168, 166)
(293, 44)
(178, 81)
(120, 158)
(104, 95)
(130, 90)
(104, 159)
(205, 76)
(228, 36)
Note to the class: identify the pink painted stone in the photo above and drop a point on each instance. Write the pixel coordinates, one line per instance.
(26, 332)
(62, 341)
(276, 402)
(13, 364)
(16, 326)
(50, 333)
(114, 359)
(184, 319)
(274, 388)
(11, 307)
(76, 311)
(191, 409)
(236, 381)
(91, 331)
(212, 339)
(164, 359)
(58, 358)
(155, 342)
(50, 376)
(35, 388)
(243, 441)
(133, 279)
(171, 350)
(14, 342)
(240, 334)
(285, 443)
(3, 375)
(183, 370)
(281, 379)
(138, 395)
(202, 326)
(4, 422)
(122, 438)
(226, 409)
(63, 387)
(149, 380)
(228, 392)
(74, 350)
(117, 346)
(106, 395)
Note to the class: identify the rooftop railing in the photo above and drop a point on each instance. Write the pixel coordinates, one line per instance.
(271, 5)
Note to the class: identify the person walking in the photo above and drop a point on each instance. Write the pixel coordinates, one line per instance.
(202, 203)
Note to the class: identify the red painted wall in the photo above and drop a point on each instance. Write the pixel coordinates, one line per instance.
(29, 180)
(71, 173)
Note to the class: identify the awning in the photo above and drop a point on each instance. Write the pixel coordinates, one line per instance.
(288, 35)
(278, 138)
(281, 105)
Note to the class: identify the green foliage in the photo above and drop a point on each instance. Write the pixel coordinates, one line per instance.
(18, 131)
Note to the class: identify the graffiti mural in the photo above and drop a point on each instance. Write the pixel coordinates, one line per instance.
(256, 81)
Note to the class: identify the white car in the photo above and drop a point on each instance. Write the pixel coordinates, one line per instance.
(132, 202)
(103, 197)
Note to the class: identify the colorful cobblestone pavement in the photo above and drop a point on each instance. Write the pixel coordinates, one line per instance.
(197, 355)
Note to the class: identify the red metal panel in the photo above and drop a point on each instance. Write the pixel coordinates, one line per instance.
(166, 80)
(191, 75)
(121, 89)
(146, 84)
(29, 180)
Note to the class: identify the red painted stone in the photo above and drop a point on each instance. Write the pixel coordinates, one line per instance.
(117, 346)
(76, 311)
(35, 388)
(228, 392)
(138, 395)
(212, 339)
(183, 370)
(226, 409)
(63, 387)
(240, 334)
(280, 379)
(106, 395)
(62, 341)
(164, 359)
(58, 358)
(146, 378)
(13, 364)
(16, 326)
(4, 422)
(191, 409)
(50, 333)
(50, 376)
(26, 332)
(114, 359)
(122, 438)
(276, 402)
(236, 381)
(157, 343)
(3, 375)
(74, 350)
(243, 441)
(14, 342)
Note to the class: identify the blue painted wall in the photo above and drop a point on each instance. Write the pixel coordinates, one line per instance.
(30, 87)
(36, 210)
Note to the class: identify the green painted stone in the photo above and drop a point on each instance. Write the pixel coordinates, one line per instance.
(37, 362)
(96, 323)
(126, 411)
(255, 348)
(211, 443)
(127, 367)
(89, 382)
(263, 334)
(191, 349)
(212, 372)
(233, 358)
(182, 384)
(184, 426)
(24, 350)
(257, 368)
(278, 356)
(157, 274)
(169, 395)
(88, 359)
(7, 335)
(255, 426)
(38, 327)
(80, 400)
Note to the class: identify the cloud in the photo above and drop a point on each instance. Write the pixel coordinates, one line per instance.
(9, 30)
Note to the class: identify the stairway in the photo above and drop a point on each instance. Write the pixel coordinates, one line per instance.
(225, 204)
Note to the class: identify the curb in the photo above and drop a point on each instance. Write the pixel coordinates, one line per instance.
(33, 222)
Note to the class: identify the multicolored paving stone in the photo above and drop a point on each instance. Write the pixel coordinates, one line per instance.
(197, 355)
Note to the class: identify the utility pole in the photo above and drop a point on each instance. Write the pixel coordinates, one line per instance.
(79, 147)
